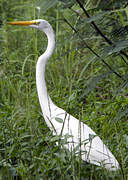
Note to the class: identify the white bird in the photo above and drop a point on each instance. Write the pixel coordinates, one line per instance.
(79, 135)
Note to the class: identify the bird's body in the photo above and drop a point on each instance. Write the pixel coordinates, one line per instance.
(60, 122)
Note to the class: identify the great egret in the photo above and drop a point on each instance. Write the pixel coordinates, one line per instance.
(59, 121)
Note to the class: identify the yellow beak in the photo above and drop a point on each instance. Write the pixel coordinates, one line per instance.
(22, 23)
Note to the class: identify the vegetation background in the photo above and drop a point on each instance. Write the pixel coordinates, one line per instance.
(87, 76)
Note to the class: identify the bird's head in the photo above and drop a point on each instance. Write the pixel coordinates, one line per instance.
(38, 24)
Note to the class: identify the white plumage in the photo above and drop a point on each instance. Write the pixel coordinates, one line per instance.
(60, 122)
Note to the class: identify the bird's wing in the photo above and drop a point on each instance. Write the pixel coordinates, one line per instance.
(82, 138)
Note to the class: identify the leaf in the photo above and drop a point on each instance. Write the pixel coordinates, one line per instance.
(107, 5)
(123, 112)
(91, 137)
(55, 138)
(59, 120)
(126, 139)
(72, 97)
(85, 67)
(13, 171)
(26, 136)
(12, 149)
(116, 47)
(47, 4)
(83, 22)
(92, 83)
(67, 3)
(96, 17)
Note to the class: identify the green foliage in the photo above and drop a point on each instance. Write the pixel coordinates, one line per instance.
(78, 80)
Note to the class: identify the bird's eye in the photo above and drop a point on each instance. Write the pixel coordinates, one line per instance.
(36, 23)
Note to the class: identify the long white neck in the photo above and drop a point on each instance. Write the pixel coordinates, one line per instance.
(44, 99)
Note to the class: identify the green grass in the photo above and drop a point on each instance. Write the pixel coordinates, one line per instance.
(27, 148)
